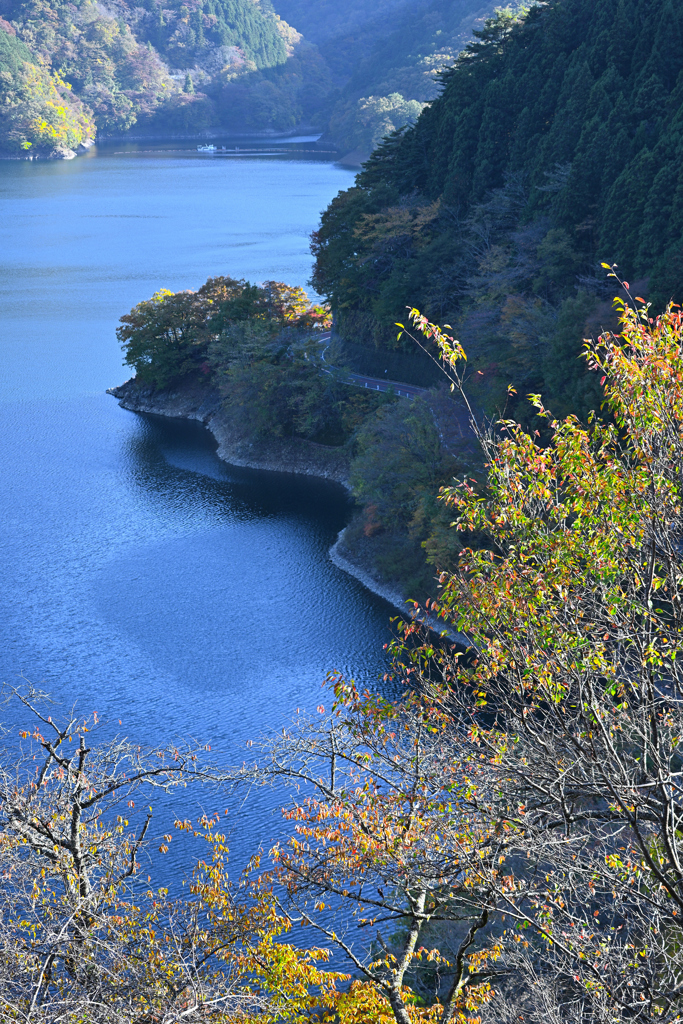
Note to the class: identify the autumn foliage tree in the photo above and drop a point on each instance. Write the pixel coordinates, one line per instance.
(170, 335)
(386, 843)
(572, 694)
(500, 841)
(38, 110)
(84, 938)
(504, 841)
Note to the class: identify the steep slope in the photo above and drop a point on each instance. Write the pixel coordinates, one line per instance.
(172, 66)
(95, 52)
(400, 66)
(358, 71)
(38, 112)
(557, 143)
(320, 20)
(384, 56)
(417, 42)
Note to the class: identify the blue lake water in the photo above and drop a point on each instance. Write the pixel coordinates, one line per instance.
(139, 575)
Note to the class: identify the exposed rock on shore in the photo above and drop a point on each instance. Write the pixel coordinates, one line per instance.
(57, 153)
(346, 559)
(194, 400)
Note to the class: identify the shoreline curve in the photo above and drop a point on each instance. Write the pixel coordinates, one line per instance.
(195, 401)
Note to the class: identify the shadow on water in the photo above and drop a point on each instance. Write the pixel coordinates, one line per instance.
(166, 445)
(241, 613)
(139, 575)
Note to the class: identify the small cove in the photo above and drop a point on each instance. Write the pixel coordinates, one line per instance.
(141, 576)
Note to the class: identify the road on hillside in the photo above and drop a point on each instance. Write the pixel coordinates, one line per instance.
(360, 380)
(460, 425)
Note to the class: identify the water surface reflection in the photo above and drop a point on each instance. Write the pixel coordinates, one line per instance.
(139, 575)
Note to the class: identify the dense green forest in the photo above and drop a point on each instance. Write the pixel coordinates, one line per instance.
(397, 67)
(258, 344)
(555, 145)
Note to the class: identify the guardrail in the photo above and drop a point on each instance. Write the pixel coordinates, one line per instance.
(360, 380)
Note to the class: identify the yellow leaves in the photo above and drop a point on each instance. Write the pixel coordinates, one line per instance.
(361, 1004)
(159, 297)
(366, 1003)
(41, 115)
(397, 222)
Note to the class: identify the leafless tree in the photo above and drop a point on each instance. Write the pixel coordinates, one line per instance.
(80, 937)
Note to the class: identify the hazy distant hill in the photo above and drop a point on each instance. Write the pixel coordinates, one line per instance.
(394, 65)
(320, 20)
(383, 56)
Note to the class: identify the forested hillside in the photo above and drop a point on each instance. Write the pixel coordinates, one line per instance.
(162, 67)
(392, 79)
(556, 144)
(38, 107)
(384, 57)
(354, 71)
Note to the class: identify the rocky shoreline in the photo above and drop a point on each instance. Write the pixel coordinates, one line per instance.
(56, 153)
(193, 399)
(341, 557)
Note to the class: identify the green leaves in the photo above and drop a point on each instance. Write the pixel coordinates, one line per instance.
(224, 321)
(571, 690)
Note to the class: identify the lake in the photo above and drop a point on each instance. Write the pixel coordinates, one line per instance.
(140, 576)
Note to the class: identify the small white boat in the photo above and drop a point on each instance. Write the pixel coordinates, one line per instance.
(206, 149)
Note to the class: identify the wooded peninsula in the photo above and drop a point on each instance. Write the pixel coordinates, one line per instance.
(493, 214)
